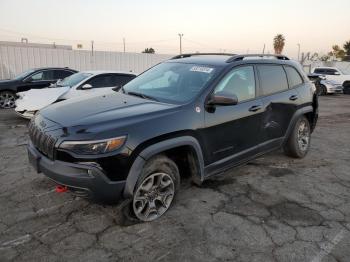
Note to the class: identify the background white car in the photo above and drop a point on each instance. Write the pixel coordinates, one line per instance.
(76, 85)
(333, 73)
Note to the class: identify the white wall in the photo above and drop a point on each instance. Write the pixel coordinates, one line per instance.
(14, 60)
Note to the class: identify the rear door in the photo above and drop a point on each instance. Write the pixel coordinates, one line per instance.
(232, 133)
(279, 102)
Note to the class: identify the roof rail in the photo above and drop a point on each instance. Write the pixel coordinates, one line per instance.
(198, 54)
(241, 57)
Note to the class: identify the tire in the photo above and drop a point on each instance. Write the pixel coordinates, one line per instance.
(7, 99)
(156, 188)
(323, 90)
(298, 143)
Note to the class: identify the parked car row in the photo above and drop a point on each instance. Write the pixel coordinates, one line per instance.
(30, 79)
(196, 114)
(77, 85)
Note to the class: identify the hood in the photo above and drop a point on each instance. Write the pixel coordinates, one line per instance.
(103, 108)
(8, 82)
(36, 99)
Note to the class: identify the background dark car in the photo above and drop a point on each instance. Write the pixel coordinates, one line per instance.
(30, 79)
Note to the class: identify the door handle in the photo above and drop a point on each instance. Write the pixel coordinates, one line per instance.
(255, 108)
(293, 97)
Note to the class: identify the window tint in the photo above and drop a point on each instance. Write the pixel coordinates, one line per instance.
(330, 71)
(43, 75)
(61, 74)
(318, 71)
(240, 82)
(273, 79)
(118, 80)
(101, 81)
(293, 76)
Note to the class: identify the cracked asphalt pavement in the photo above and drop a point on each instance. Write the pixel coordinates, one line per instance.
(272, 209)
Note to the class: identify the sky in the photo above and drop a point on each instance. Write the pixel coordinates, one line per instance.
(237, 26)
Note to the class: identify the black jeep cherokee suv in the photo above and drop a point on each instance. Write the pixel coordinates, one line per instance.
(199, 114)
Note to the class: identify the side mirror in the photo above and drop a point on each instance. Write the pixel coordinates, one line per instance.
(28, 80)
(86, 86)
(223, 99)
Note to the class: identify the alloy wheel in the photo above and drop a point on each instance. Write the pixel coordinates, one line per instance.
(7, 100)
(154, 196)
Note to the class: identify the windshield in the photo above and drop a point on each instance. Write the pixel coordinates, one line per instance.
(24, 74)
(73, 79)
(171, 82)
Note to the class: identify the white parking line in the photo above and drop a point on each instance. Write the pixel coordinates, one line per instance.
(326, 249)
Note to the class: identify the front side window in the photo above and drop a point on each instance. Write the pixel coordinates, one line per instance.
(101, 81)
(293, 77)
(319, 71)
(273, 79)
(240, 82)
(172, 82)
(42, 76)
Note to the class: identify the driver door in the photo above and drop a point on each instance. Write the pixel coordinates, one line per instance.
(37, 80)
(232, 133)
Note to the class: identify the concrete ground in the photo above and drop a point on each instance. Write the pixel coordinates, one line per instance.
(272, 209)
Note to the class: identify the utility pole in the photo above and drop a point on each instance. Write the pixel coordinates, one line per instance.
(264, 49)
(124, 44)
(181, 35)
(92, 48)
(298, 52)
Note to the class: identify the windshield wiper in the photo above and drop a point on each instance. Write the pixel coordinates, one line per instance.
(141, 95)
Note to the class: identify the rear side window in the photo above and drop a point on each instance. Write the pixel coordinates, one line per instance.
(61, 74)
(331, 72)
(118, 80)
(273, 79)
(293, 77)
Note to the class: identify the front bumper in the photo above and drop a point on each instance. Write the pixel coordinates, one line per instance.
(84, 180)
(334, 89)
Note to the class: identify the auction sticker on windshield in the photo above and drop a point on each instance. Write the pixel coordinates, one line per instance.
(202, 69)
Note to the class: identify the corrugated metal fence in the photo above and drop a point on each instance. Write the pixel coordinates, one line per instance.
(14, 60)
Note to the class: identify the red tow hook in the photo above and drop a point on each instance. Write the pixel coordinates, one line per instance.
(61, 189)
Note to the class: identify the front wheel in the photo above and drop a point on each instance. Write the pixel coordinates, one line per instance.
(156, 188)
(7, 99)
(323, 90)
(298, 143)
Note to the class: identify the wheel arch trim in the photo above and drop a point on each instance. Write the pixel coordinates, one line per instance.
(155, 149)
(297, 114)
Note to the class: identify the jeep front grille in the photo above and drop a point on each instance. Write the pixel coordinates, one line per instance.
(43, 142)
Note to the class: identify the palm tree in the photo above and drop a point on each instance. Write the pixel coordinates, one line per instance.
(347, 47)
(278, 43)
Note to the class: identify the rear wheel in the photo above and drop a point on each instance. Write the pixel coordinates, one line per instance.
(298, 143)
(156, 188)
(7, 99)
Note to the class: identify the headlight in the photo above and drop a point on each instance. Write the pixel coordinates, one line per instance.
(93, 147)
